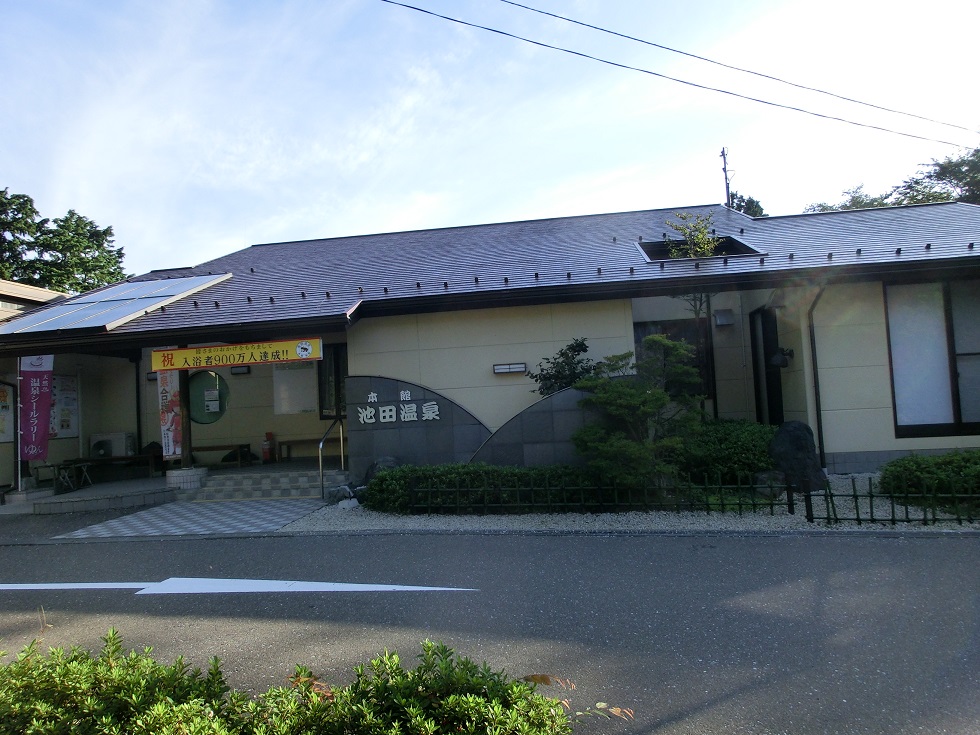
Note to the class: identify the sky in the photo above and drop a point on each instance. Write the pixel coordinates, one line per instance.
(198, 128)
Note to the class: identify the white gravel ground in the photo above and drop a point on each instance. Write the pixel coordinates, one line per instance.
(332, 519)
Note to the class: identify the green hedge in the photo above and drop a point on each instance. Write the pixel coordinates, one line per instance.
(390, 490)
(74, 693)
(945, 477)
(730, 449)
(726, 451)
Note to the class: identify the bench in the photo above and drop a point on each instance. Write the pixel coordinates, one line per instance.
(285, 449)
(243, 451)
(38, 469)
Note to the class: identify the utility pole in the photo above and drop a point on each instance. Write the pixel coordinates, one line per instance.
(724, 168)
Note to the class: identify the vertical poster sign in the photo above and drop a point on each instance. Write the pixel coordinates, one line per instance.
(6, 413)
(35, 377)
(169, 391)
(64, 406)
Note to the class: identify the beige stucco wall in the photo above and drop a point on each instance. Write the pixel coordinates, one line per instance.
(249, 413)
(454, 352)
(794, 334)
(854, 375)
(732, 354)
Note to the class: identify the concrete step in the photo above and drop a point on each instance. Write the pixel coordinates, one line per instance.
(76, 503)
(252, 485)
(27, 496)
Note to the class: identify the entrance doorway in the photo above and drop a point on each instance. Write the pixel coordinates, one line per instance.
(765, 367)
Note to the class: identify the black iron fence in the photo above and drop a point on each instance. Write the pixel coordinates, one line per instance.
(931, 503)
(857, 502)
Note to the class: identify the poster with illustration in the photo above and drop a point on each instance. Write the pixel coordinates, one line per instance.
(64, 406)
(169, 391)
(6, 413)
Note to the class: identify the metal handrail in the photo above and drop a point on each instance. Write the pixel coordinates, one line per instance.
(336, 422)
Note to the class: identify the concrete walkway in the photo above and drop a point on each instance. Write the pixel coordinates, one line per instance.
(127, 494)
(121, 494)
(216, 518)
(145, 507)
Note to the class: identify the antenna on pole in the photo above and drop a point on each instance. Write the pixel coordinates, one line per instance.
(724, 168)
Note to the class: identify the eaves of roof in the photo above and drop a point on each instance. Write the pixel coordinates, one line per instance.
(316, 286)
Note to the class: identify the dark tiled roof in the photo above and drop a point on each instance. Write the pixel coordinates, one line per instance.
(321, 284)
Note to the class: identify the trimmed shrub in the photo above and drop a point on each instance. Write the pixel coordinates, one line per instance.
(646, 407)
(390, 491)
(732, 450)
(938, 480)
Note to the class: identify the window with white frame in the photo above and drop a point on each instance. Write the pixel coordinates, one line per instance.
(934, 344)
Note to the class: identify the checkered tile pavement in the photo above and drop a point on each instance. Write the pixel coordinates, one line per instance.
(196, 519)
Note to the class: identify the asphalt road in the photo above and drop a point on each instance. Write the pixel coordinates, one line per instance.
(716, 634)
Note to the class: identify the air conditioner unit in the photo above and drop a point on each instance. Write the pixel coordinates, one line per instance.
(119, 444)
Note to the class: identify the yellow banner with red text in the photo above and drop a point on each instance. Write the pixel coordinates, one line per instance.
(250, 353)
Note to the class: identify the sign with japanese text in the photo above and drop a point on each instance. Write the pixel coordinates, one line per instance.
(251, 353)
(405, 410)
(64, 406)
(6, 413)
(35, 399)
(168, 389)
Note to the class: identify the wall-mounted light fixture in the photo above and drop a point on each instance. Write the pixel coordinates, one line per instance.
(510, 367)
(151, 377)
(240, 369)
(724, 317)
(781, 358)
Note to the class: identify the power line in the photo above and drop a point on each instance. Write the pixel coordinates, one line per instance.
(739, 69)
(673, 79)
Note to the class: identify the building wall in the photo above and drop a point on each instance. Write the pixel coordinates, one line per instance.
(249, 414)
(8, 375)
(732, 356)
(106, 404)
(454, 352)
(18, 298)
(855, 382)
(794, 334)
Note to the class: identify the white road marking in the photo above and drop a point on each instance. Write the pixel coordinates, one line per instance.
(206, 586)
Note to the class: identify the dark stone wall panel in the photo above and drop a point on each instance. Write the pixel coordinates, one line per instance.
(539, 435)
(415, 425)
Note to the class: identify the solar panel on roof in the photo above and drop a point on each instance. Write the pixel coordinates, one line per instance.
(110, 307)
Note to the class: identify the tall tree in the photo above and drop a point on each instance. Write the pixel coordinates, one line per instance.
(953, 179)
(950, 180)
(699, 241)
(19, 220)
(70, 253)
(747, 205)
(854, 198)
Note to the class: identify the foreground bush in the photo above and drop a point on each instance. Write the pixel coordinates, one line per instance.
(74, 692)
